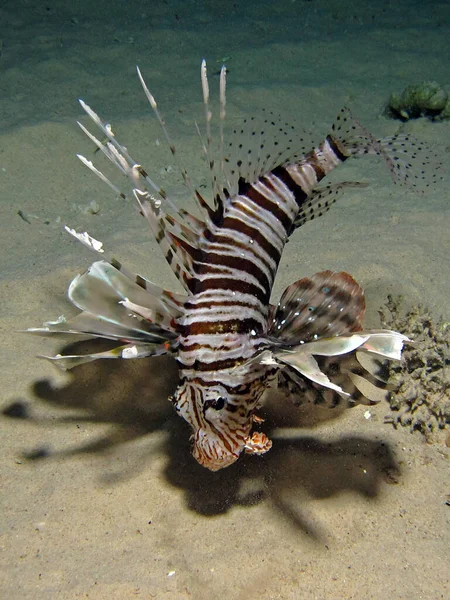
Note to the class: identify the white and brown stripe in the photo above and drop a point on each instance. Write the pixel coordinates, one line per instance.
(227, 263)
(226, 316)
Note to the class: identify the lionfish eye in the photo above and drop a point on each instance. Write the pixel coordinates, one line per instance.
(217, 403)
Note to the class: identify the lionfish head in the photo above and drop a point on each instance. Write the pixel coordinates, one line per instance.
(221, 422)
(211, 451)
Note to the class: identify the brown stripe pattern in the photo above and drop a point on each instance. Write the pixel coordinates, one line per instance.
(226, 317)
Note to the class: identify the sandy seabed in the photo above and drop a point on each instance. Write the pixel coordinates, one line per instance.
(101, 498)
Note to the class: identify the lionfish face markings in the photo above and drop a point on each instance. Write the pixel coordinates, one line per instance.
(220, 425)
(229, 342)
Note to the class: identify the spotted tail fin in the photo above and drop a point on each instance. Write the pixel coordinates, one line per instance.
(411, 162)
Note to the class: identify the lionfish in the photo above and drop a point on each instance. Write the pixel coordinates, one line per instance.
(230, 343)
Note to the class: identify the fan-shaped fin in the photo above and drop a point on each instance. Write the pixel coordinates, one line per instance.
(116, 308)
(410, 161)
(69, 361)
(326, 304)
(333, 364)
(173, 301)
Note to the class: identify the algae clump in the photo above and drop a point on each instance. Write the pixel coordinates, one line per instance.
(426, 99)
(422, 397)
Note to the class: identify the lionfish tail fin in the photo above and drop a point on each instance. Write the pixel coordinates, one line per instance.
(411, 162)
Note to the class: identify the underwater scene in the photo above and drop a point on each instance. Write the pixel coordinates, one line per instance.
(225, 289)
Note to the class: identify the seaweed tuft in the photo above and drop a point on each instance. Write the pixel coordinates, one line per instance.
(421, 400)
(426, 99)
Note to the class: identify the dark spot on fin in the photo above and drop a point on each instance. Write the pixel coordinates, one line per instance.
(324, 305)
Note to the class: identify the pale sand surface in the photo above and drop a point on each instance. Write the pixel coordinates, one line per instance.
(116, 507)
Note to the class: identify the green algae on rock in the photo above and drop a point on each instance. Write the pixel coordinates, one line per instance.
(426, 99)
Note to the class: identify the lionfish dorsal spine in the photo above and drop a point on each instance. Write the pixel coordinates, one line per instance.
(194, 192)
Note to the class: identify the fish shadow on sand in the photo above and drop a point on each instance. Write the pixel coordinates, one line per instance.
(131, 396)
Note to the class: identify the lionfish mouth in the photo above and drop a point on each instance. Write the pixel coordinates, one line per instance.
(210, 452)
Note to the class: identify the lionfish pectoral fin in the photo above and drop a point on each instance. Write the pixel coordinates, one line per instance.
(317, 333)
(103, 289)
(88, 326)
(305, 391)
(338, 357)
(385, 343)
(119, 307)
(324, 305)
(369, 390)
(335, 346)
(69, 361)
(174, 301)
(264, 357)
(375, 369)
(307, 366)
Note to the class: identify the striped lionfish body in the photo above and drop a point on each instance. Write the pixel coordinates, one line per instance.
(229, 341)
